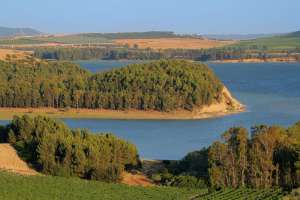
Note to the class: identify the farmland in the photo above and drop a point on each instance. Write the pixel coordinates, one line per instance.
(174, 43)
(283, 42)
(14, 187)
(14, 53)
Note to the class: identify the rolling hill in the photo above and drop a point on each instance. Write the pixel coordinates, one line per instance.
(11, 32)
(288, 41)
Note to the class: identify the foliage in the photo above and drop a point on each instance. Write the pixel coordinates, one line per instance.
(52, 148)
(87, 53)
(267, 159)
(270, 157)
(163, 85)
(15, 187)
(294, 195)
(181, 181)
(243, 193)
(194, 164)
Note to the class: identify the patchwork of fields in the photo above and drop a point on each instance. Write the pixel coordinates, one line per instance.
(174, 43)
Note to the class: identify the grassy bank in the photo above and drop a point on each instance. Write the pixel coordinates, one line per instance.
(14, 187)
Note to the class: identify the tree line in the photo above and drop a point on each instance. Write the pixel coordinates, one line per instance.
(268, 156)
(115, 53)
(53, 148)
(163, 85)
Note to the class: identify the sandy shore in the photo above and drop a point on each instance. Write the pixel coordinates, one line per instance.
(227, 106)
(8, 113)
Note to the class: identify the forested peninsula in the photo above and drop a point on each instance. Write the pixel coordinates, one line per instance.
(160, 88)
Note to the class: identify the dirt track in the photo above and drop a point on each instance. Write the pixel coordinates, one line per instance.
(10, 161)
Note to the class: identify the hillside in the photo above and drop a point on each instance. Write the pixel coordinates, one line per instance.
(280, 42)
(11, 32)
(14, 187)
(49, 188)
(143, 40)
(237, 36)
(161, 86)
(84, 38)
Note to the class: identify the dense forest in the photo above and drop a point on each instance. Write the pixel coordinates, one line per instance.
(268, 157)
(163, 85)
(115, 53)
(53, 148)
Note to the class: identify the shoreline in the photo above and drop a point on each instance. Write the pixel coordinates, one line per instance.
(257, 60)
(227, 106)
(8, 113)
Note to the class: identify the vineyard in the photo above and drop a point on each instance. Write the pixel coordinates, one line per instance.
(243, 193)
(17, 187)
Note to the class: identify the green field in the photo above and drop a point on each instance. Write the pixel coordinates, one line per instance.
(243, 193)
(68, 39)
(283, 42)
(16, 187)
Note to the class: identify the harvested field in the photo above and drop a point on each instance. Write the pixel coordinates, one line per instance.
(174, 43)
(17, 54)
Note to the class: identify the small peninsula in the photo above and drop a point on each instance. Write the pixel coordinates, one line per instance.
(164, 89)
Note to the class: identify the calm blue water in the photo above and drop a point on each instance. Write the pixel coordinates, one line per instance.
(271, 92)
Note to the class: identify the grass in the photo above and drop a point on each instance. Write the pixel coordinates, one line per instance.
(285, 42)
(68, 39)
(16, 187)
(244, 193)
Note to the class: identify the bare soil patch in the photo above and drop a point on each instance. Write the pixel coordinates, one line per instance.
(10, 161)
(14, 53)
(136, 180)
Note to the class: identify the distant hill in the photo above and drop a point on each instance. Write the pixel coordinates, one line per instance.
(237, 36)
(133, 35)
(87, 38)
(287, 41)
(11, 32)
(294, 34)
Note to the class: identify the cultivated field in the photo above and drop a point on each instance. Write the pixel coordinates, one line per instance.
(174, 43)
(16, 187)
(15, 53)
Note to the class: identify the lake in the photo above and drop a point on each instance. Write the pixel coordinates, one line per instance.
(271, 92)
